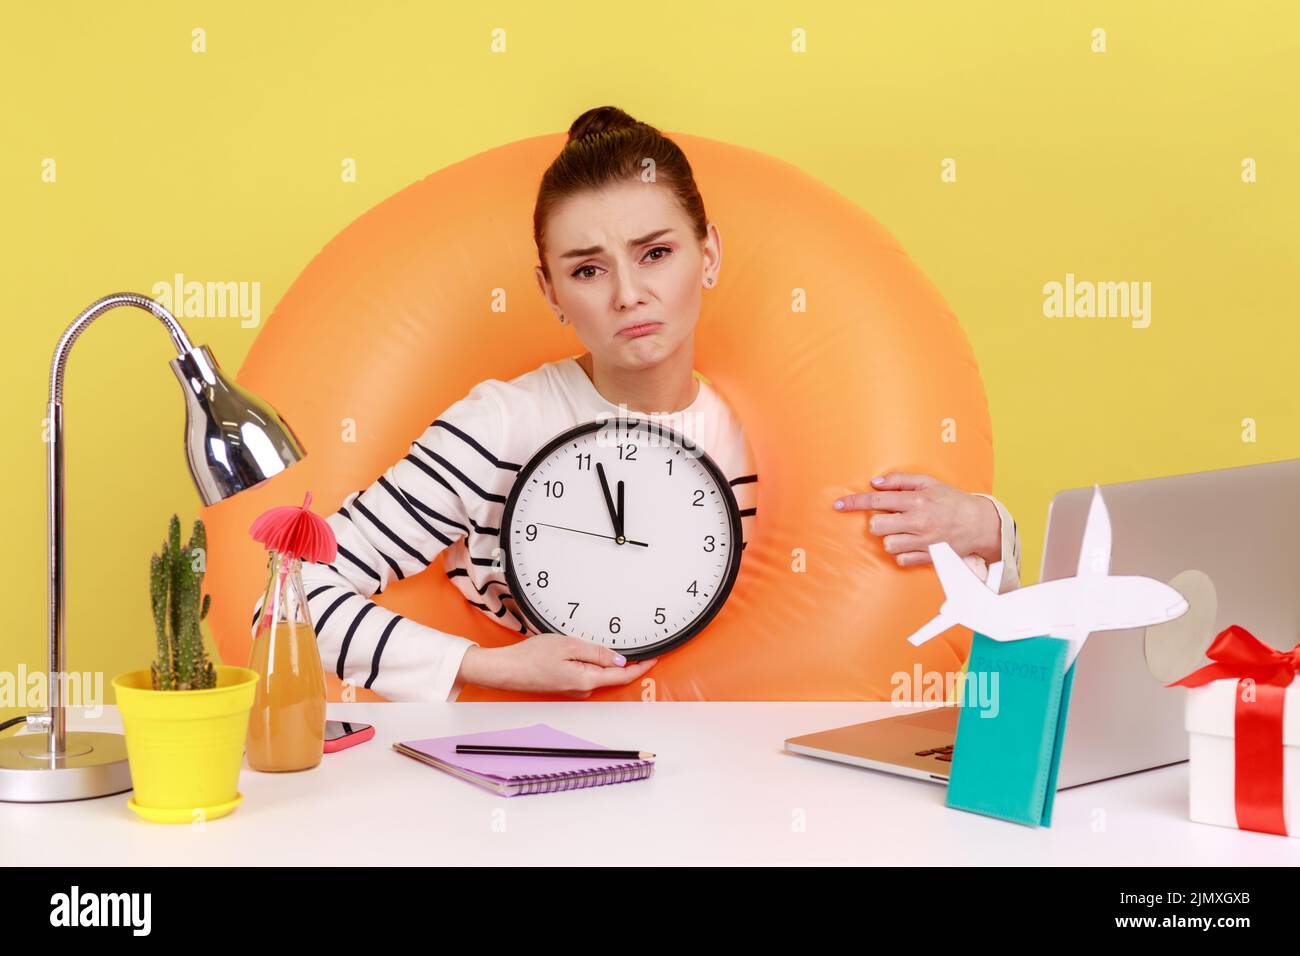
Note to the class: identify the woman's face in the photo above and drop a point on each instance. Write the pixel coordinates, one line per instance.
(627, 272)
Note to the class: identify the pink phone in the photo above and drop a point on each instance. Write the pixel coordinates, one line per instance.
(342, 734)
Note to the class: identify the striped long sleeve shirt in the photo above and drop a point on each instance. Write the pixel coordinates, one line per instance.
(446, 497)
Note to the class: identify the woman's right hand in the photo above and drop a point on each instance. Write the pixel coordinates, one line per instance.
(550, 664)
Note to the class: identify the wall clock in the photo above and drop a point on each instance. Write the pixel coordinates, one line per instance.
(622, 533)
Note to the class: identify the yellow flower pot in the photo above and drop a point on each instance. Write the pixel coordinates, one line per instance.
(185, 747)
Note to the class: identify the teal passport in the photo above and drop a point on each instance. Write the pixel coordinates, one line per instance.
(1009, 736)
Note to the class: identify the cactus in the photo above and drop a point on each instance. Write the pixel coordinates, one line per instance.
(174, 589)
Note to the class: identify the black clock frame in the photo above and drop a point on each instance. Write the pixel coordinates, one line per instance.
(719, 598)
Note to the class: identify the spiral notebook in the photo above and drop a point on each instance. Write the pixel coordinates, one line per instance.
(514, 776)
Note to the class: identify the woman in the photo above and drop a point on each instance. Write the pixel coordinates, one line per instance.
(624, 259)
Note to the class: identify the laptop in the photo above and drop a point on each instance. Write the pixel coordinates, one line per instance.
(1228, 540)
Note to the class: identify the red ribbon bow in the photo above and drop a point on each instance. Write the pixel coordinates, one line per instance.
(1263, 675)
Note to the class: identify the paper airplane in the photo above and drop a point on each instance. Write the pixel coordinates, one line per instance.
(1068, 608)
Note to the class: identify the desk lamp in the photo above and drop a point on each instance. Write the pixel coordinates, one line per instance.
(233, 441)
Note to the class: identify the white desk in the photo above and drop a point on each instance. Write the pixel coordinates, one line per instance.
(369, 805)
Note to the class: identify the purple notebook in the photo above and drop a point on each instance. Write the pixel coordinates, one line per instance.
(512, 776)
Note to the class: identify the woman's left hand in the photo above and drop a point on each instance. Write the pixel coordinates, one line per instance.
(920, 510)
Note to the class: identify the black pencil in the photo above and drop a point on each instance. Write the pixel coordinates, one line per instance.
(551, 752)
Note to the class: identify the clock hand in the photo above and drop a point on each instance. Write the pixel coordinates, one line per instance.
(622, 518)
(609, 501)
(607, 537)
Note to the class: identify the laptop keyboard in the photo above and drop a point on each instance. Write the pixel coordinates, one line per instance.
(939, 753)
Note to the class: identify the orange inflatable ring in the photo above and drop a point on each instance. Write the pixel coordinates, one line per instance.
(840, 357)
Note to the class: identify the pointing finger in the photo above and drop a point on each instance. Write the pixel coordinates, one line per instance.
(875, 501)
(902, 481)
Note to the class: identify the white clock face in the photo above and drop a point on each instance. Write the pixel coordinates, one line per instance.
(639, 578)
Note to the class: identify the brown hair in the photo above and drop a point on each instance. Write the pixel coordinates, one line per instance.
(607, 146)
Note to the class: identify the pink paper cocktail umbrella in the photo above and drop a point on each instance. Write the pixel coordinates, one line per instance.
(293, 533)
(296, 533)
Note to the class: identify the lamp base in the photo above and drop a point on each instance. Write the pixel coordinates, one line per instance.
(94, 765)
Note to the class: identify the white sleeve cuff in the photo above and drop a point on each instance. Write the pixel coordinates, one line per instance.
(421, 663)
(451, 664)
(1010, 548)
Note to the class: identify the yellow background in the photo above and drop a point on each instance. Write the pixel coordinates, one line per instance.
(225, 166)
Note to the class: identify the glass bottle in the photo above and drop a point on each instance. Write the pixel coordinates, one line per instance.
(286, 730)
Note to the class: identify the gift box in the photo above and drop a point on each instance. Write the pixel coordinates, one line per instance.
(1243, 718)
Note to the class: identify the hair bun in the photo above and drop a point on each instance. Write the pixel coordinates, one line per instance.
(599, 120)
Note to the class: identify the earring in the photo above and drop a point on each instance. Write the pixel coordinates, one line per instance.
(709, 281)
(562, 322)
